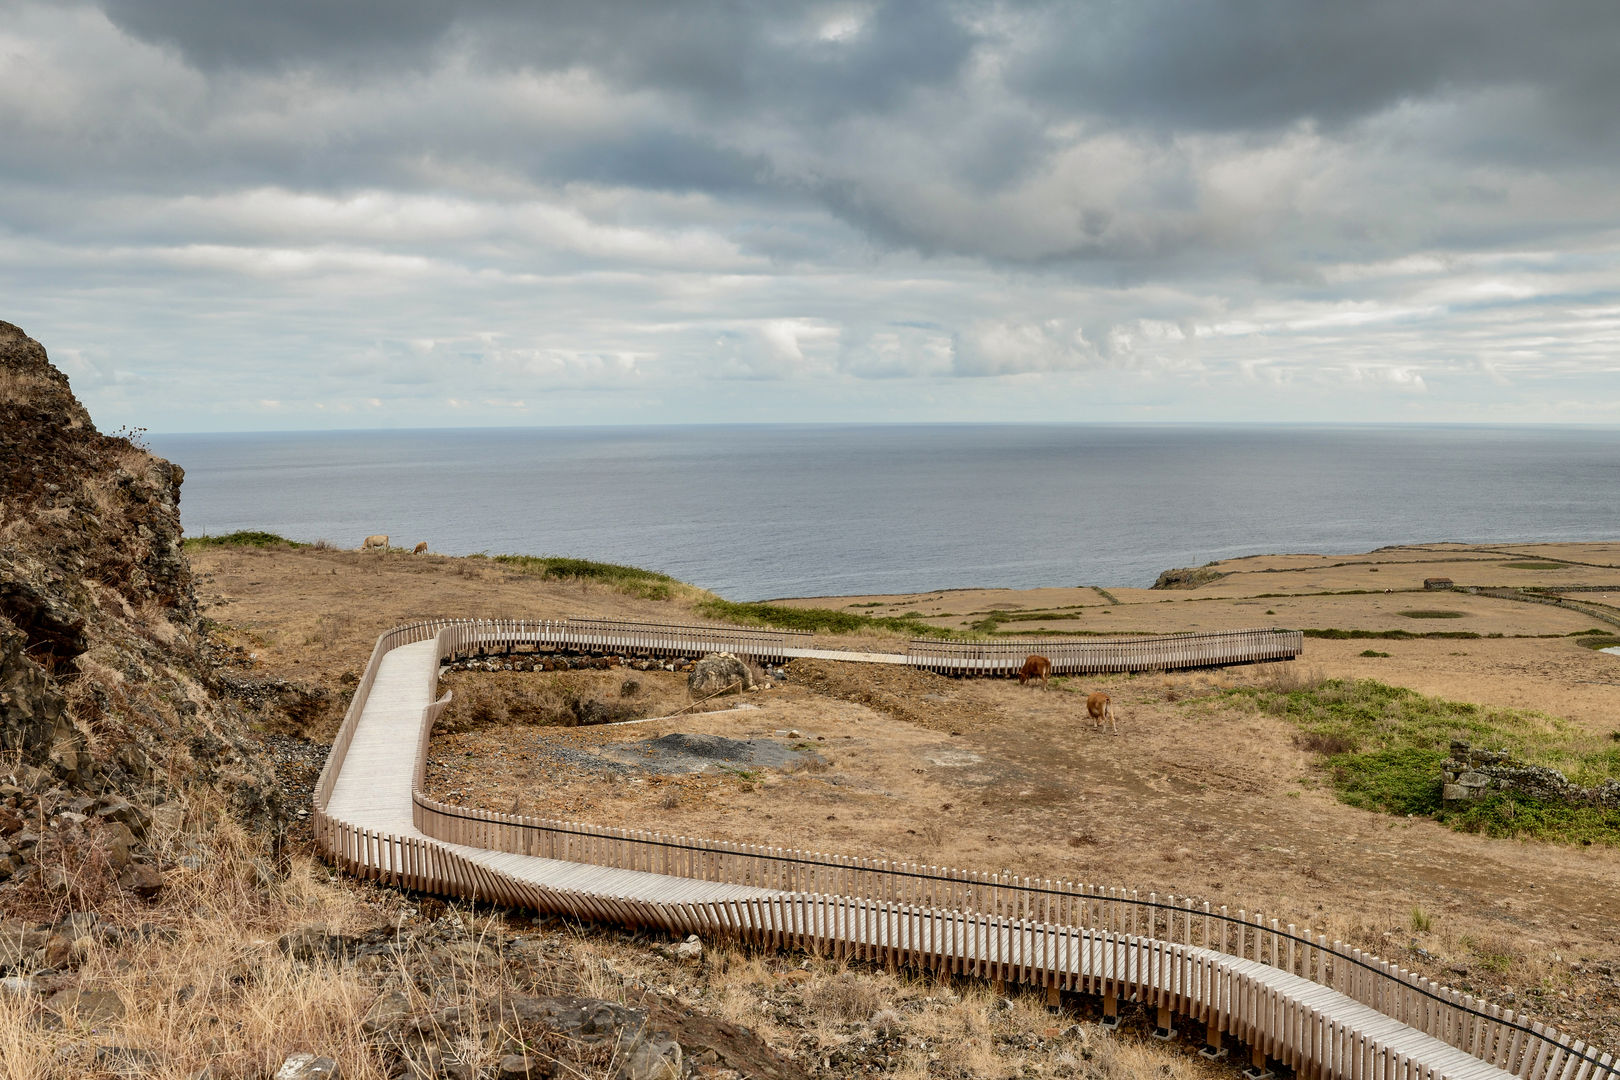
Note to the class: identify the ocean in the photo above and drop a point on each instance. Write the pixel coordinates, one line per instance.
(767, 511)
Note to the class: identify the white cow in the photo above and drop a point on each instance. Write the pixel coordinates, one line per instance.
(380, 542)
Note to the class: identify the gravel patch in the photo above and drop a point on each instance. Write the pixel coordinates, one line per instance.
(684, 753)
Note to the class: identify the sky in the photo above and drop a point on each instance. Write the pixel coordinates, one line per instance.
(224, 215)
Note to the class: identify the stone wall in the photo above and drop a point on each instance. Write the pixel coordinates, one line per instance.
(1476, 773)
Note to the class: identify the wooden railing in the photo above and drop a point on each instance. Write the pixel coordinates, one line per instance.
(1167, 652)
(1181, 957)
(995, 912)
(627, 637)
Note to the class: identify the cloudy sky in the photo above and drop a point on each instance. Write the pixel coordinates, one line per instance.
(237, 215)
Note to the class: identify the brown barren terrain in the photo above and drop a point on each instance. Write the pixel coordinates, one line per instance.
(1197, 796)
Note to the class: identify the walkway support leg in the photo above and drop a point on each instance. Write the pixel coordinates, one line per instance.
(1054, 998)
(1164, 1026)
(1258, 1069)
(1110, 1020)
(1213, 1049)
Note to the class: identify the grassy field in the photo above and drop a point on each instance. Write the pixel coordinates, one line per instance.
(251, 538)
(1381, 748)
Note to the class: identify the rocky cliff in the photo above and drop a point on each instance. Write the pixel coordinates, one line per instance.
(108, 707)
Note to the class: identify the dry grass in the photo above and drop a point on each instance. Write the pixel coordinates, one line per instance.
(22, 387)
(206, 984)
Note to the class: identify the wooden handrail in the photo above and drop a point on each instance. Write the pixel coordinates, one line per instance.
(1206, 963)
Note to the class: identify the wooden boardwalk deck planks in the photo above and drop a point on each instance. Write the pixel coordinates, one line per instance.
(1340, 1017)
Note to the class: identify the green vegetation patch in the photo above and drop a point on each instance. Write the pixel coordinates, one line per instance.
(1511, 815)
(815, 620)
(242, 538)
(1425, 613)
(647, 584)
(1535, 566)
(1336, 634)
(996, 616)
(1373, 652)
(1381, 748)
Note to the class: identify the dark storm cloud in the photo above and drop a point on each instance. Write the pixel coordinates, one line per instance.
(1249, 64)
(217, 35)
(726, 55)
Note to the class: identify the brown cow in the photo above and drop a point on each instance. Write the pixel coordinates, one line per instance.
(1101, 708)
(420, 549)
(1035, 667)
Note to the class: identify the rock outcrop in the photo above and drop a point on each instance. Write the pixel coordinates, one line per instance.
(717, 673)
(106, 687)
(1187, 578)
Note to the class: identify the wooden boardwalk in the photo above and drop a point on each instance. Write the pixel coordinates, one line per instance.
(1319, 1007)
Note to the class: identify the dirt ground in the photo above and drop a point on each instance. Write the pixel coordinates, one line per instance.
(1192, 798)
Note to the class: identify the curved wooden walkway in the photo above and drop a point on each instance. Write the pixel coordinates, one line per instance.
(1292, 997)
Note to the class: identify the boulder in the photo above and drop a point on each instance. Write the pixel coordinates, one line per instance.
(87, 1006)
(305, 1066)
(118, 841)
(316, 941)
(142, 879)
(654, 1058)
(589, 1020)
(387, 1014)
(523, 1067)
(718, 672)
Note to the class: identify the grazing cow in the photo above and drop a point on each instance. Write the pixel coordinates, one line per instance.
(1035, 667)
(380, 542)
(1101, 709)
(420, 549)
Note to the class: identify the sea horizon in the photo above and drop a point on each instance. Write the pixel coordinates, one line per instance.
(765, 510)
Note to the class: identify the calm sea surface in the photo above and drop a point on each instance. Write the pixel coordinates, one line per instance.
(772, 511)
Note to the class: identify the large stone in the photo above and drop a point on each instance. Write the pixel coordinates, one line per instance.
(523, 1067)
(387, 1014)
(718, 673)
(141, 879)
(655, 1058)
(167, 820)
(589, 1020)
(118, 841)
(306, 1066)
(87, 1006)
(316, 942)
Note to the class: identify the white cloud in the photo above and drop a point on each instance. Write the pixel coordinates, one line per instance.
(1007, 348)
(489, 219)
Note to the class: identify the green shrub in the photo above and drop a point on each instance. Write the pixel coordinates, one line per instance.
(1508, 815)
(1373, 652)
(647, 584)
(1382, 746)
(1336, 634)
(242, 538)
(1430, 614)
(815, 620)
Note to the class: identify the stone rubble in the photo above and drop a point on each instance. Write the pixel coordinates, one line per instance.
(1475, 773)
